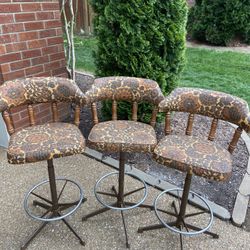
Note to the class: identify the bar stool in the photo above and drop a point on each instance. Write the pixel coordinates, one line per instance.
(122, 136)
(194, 155)
(45, 142)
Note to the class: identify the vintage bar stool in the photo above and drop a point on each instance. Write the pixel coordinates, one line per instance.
(194, 155)
(122, 136)
(45, 142)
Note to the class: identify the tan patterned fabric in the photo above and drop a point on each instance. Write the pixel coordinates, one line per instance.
(209, 103)
(39, 90)
(205, 158)
(43, 142)
(125, 88)
(122, 136)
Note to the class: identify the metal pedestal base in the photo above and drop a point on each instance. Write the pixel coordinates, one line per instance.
(179, 225)
(52, 209)
(120, 204)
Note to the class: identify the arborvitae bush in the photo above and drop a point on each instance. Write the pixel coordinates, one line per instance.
(142, 39)
(220, 21)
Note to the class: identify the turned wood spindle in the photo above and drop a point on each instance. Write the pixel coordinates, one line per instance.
(31, 115)
(167, 124)
(213, 129)
(94, 113)
(153, 118)
(55, 112)
(235, 140)
(190, 124)
(134, 111)
(77, 115)
(8, 122)
(114, 110)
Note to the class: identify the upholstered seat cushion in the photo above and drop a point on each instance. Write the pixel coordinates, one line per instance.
(204, 157)
(43, 142)
(123, 136)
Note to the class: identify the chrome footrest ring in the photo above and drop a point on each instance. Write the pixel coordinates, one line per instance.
(120, 208)
(172, 227)
(75, 204)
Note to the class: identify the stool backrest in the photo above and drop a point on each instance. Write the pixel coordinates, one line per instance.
(36, 90)
(209, 103)
(129, 89)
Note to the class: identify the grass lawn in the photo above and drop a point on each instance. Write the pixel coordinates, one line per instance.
(223, 71)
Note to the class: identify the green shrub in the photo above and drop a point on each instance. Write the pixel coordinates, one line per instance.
(220, 21)
(142, 39)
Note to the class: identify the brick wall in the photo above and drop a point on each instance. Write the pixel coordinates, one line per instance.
(31, 44)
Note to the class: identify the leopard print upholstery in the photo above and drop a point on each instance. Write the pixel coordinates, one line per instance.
(204, 158)
(123, 136)
(39, 90)
(126, 89)
(209, 103)
(43, 142)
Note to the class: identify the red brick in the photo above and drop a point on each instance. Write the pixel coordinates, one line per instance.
(57, 14)
(55, 40)
(9, 38)
(22, 123)
(59, 32)
(57, 56)
(31, 53)
(9, 8)
(10, 57)
(25, 36)
(44, 15)
(50, 50)
(5, 68)
(20, 65)
(33, 26)
(22, 17)
(13, 75)
(13, 47)
(34, 70)
(16, 117)
(50, 6)
(23, 113)
(39, 60)
(2, 49)
(44, 74)
(59, 71)
(52, 66)
(11, 28)
(53, 24)
(28, 7)
(6, 18)
(36, 44)
(47, 33)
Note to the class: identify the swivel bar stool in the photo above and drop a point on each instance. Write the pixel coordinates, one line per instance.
(45, 142)
(195, 155)
(122, 136)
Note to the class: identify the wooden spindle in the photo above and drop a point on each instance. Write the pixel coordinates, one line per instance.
(134, 111)
(114, 110)
(190, 124)
(31, 115)
(94, 113)
(167, 124)
(153, 117)
(235, 140)
(213, 129)
(55, 112)
(8, 122)
(77, 115)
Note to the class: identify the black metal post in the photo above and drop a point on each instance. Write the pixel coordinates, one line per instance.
(120, 197)
(52, 181)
